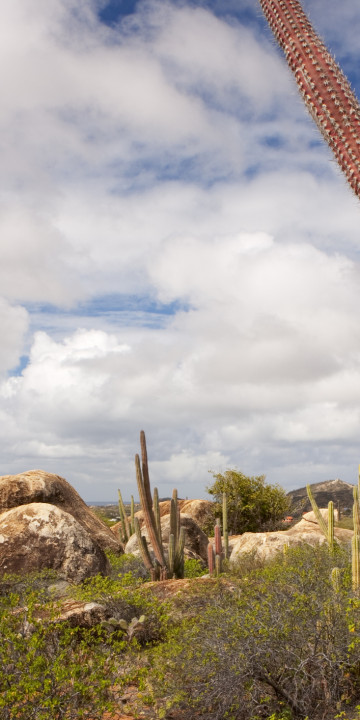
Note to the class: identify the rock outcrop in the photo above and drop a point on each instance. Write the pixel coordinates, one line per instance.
(340, 492)
(38, 486)
(265, 545)
(196, 541)
(39, 535)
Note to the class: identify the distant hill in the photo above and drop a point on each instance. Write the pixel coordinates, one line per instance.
(337, 490)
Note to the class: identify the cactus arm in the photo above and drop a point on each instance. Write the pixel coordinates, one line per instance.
(143, 547)
(218, 548)
(171, 562)
(132, 515)
(180, 554)
(157, 516)
(355, 562)
(225, 526)
(324, 88)
(211, 558)
(148, 515)
(318, 515)
(145, 469)
(123, 517)
(331, 535)
(217, 565)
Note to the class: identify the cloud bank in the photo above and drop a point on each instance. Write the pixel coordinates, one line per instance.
(178, 251)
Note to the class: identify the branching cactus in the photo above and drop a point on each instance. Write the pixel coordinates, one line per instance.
(327, 528)
(162, 567)
(325, 89)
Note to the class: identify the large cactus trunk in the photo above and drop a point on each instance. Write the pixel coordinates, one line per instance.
(325, 89)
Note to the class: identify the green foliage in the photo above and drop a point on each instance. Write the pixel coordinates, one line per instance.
(193, 568)
(49, 671)
(281, 644)
(127, 567)
(252, 505)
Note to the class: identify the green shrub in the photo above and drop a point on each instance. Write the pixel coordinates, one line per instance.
(283, 643)
(48, 670)
(193, 568)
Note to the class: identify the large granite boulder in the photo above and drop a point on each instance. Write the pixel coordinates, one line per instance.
(196, 541)
(38, 486)
(265, 545)
(39, 535)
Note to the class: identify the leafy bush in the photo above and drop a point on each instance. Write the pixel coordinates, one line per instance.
(129, 568)
(252, 504)
(49, 671)
(282, 644)
(194, 568)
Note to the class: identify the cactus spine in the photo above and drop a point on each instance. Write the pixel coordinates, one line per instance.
(160, 568)
(327, 529)
(324, 88)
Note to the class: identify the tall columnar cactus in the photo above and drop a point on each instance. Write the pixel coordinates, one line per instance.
(355, 546)
(327, 528)
(125, 525)
(163, 567)
(225, 526)
(218, 549)
(325, 89)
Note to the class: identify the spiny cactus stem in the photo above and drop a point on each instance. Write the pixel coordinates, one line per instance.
(145, 468)
(157, 515)
(317, 512)
(325, 90)
(171, 554)
(123, 516)
(217, 565)
(211, 558)
(218, 548)
(355, 562)
(148, 515)
(132, 515)
(331, 525)
(143, 547)
(225, 526)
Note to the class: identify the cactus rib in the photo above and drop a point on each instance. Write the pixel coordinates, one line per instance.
(325, 90)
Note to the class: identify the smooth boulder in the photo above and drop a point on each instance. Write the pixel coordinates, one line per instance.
(37, 536)
(265, 545)
(38, 486)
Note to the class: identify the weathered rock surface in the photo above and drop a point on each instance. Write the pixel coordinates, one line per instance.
(38, 486)
(39, 535)
(311, 517)
(196, 541)
(266, 544)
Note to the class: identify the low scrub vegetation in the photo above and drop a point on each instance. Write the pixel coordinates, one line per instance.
(279, 641)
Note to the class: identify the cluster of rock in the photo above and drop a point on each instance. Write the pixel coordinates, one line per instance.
(44, 523)
(265, 545)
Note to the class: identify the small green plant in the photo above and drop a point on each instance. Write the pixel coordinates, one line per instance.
(193, 568)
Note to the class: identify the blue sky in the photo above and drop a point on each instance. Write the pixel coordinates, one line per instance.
(179, 252)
